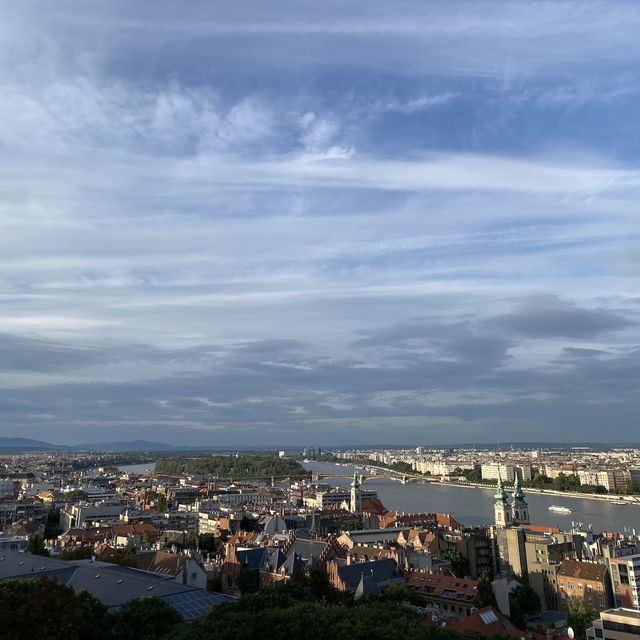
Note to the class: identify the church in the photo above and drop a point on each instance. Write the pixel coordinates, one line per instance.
(511, 519)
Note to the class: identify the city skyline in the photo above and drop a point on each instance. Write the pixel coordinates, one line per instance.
(226, 225)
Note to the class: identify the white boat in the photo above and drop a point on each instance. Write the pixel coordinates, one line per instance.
(618, 502)
(559, 509)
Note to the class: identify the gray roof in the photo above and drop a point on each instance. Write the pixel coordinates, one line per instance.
(293, 564)
(362, 536)
(366, 586)
(252, 559)
(383, 572)
(113, 585)
(308, 550)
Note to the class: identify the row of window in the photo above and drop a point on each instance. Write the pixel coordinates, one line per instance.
(570, 585)
(620, 626)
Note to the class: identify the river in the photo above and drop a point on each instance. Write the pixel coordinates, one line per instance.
(472, 506)
(138, 468)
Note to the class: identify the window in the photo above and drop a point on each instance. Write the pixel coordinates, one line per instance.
(561, 584)
(579, 586)
(589, 589)
(571, 585)
(624, 573)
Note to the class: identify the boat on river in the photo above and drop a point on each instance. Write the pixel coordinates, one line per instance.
(559, 509)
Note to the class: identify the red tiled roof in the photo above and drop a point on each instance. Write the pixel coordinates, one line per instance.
(535, 528)
(373, 506)
(585, 570)
(461, 589)
(488, 622)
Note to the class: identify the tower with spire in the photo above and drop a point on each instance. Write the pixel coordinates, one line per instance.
(520, 508)
(356, 495)
(501, 507)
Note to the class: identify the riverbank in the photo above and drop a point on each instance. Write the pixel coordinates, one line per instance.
(474, 508)
(413, 478)
(611, 499)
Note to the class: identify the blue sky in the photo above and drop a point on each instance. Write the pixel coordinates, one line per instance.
(319, 223)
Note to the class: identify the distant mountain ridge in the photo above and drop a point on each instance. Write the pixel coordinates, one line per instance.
(29, 444)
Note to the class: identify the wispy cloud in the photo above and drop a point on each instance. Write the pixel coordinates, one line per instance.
(318, 227)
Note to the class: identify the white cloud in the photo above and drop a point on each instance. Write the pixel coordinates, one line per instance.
(186, 180)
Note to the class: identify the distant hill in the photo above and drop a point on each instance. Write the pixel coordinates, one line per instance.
(28, 444)
(134, 445)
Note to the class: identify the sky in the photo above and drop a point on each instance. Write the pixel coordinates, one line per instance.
(319, 223)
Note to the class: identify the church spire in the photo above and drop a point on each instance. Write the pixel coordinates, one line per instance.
(500, 492)
(502, 508)
(356, 495)
(520, 506)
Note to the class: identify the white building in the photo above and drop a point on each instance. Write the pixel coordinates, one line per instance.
(493, 471)
(616, 624)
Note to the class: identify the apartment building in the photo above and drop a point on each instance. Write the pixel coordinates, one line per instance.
(493, 471)
(625, 578)
(588, 581)
(616, 624)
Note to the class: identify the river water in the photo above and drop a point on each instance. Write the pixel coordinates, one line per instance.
(138, 468)
(472, 506)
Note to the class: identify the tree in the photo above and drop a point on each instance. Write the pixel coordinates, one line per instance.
(486, 596)
(35, 545)
(245, 466)
(399, 594)
(249, 581)
(459, 564)
(403, 467)
(144, 619)
(47, 609)
(124, 556)
(191, 541)
(52, 525)
(627, 488)
(207, 543)
(307, 606)
(247, 524)
(523, 600)
(579, 617)
(79, 553)
(161, 502)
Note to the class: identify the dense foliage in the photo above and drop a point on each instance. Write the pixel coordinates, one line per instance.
(472, 475)
(579, 617)
(79, 553)
(523, 600)
(459, 564)
(35, 545)
(564, 482)
(306, 606)
(237, 467)
(486, 596)
(144, 619)
(398, 466)
(47, 609)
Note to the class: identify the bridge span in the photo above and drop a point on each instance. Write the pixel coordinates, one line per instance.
(391, 475)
